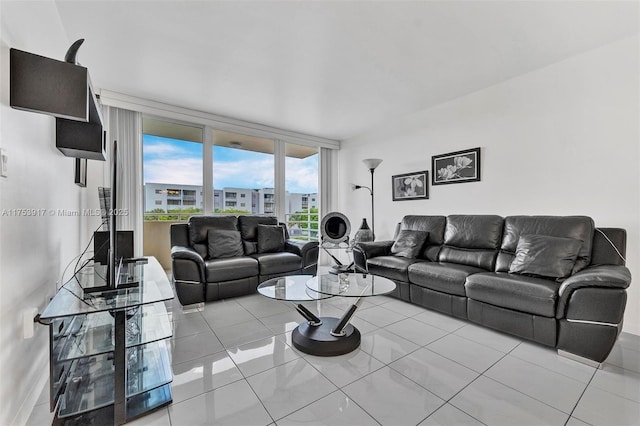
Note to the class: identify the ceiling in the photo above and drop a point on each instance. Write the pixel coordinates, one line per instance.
(328, 69)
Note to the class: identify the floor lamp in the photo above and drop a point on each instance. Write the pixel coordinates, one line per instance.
(371, 164)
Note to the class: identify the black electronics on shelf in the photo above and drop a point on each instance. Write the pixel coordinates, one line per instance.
(64, 90)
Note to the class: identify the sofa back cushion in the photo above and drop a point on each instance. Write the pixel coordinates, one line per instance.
(199, 227)
(409, 243)
(472, 240)
(270, 238)
(224, 243)
(575, 227)
(545, 256)
(248, 226)
(434, 225)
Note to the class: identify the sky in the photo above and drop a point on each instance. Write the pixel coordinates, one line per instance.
(168, 160)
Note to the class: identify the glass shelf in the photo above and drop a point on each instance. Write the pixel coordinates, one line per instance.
(92, 334)
(71, 299)
(90, 384)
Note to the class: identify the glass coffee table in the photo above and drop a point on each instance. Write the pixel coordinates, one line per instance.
(326, 336)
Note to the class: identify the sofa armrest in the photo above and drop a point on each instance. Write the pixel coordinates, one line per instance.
(367, 250)
(186, 256)
(307, 250)
(188, 274)
(610, 279)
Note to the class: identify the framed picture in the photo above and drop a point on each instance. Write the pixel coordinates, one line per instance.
(410, 186)
(81, 172)
(456, 167)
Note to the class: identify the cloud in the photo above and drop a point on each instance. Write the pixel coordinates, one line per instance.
(162, 149)
(301, 176)
(253, 174)
(183, 171)
(167, 162)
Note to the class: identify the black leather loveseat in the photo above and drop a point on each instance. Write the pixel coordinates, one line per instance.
(215, 257)
(555, 280)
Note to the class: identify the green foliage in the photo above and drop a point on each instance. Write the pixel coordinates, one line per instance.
(172, 214)
(306, 220)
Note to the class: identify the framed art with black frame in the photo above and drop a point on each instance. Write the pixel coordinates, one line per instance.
(456, 167)
(410, 186)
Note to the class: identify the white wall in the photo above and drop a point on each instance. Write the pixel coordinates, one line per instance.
(561, 140)
(33, 250)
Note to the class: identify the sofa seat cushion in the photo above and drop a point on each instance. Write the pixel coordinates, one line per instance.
(522, 293)
(232, 268)
(277, 263)
(441, 276)
(392, 267)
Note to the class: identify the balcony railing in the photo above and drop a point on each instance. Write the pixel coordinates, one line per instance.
(303, 226)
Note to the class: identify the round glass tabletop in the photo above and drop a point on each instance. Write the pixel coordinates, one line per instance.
(351, 285)
(292, 288)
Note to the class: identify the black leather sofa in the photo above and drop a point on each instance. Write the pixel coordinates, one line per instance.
(556, 280)
(216, 257)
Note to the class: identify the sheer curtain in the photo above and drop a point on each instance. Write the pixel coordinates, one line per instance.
(125, 127)
(329, 180)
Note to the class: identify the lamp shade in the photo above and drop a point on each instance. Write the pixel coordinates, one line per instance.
(372, 163)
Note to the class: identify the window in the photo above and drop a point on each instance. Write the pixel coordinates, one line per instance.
(172, 170)
(301, 184)
(242, 164)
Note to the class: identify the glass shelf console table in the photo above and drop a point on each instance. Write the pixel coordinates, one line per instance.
(109, 361)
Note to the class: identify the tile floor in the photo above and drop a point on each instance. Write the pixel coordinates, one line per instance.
(233, 363)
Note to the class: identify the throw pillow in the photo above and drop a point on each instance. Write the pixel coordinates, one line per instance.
(224, 243)
(409, 243)
(545, 256)
(270, 238)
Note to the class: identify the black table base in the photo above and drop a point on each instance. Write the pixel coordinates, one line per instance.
(318, 340)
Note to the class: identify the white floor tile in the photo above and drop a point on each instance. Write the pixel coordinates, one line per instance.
(192, 324)
(404, 308)
(332, 410)
(495, 404)
(344, 369)
(282, 322)
(553, 389)
(224, 313)
(362, 325)
(416, 331)
(392, 399)
(576, 422)
(261, 306)
(436, 319)
(485, 336)
(448, 415)
(234, 404)
(624, 383)
(386, 346)
(470, 354)
(380, 316)
(261, 355)
(239, 334)
(435, 373)
(289, 387)
(201, 375)
(159, 417)
(629, 341)
(40, 415)
(624, 357)
(598, 407)
(548, 358)
(193, 347)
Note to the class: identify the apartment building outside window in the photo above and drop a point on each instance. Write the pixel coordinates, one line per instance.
(242, 168)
